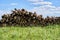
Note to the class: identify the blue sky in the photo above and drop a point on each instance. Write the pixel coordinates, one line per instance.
(11, 4)
(44, 7)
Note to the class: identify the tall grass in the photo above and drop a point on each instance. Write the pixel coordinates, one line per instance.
(51, 32)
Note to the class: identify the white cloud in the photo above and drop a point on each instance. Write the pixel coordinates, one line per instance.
(35, 0)
(11, 4)
(14, 4)
(47, 11)
(42, 3)
(46, 8)
(2, 12)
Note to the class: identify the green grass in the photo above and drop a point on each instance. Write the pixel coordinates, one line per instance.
(30, 33)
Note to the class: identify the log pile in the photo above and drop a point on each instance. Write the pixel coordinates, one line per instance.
(25, 18)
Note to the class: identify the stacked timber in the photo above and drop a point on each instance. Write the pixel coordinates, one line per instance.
(25, 18)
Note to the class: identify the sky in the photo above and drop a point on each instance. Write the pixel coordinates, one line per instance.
(44, 7)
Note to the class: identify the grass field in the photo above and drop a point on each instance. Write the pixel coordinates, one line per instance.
(30, 33)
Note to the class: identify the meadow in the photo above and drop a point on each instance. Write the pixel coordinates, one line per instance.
(51, 32)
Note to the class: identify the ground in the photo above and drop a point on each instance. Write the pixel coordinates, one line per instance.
(30, 33)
